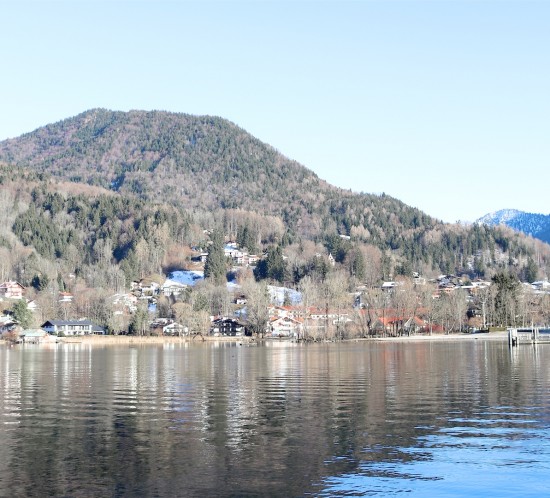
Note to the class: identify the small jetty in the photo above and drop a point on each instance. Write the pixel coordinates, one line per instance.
(528, 335)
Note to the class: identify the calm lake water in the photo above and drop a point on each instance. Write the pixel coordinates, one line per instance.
(468, 418)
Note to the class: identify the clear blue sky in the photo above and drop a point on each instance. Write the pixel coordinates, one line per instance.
(442, 104)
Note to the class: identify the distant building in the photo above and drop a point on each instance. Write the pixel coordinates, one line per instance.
(286, 327)
(35, 336)
(72, 327)
(65, 297)
(11, 290)
(173, 288)
(227, 326)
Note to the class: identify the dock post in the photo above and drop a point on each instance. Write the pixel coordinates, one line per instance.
(512, 337)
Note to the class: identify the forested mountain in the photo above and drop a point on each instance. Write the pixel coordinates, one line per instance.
(534, 224)
(201, 162)
(123, 188)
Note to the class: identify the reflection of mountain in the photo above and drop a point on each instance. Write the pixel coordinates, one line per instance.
(536, 225)
(279, 419)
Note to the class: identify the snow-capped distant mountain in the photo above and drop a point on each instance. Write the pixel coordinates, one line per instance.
(536, 225)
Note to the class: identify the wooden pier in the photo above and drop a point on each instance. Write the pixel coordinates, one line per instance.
(528, 335)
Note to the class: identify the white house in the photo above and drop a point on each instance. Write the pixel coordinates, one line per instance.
(72, 327)
(172, 288)
(286, 327)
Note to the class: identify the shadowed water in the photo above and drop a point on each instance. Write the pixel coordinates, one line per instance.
(354, 419)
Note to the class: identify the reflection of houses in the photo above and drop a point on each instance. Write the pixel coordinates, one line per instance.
(227, 326)
(72, 327)
(11, 290)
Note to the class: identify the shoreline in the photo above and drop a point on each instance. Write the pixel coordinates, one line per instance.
(485, 336)
(121, 340)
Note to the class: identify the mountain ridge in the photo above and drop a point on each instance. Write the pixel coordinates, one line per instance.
(533, 224)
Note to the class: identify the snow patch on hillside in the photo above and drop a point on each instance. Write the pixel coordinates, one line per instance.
(186, 277)
(277, 295)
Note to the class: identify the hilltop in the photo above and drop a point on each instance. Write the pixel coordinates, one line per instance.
(195, 162)
(191, 173)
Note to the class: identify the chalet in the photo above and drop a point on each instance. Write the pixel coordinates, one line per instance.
(203, 257)
(231, 250)
(166, 326)
(11, 290)
(284, 311)
(172, 288)
(240, 299)
(398, 324)
(146, 286)
(71, 327)
(389, 286)
(7, 324)
(321, 314)
(174, 329)
(65, 297)
(286, 327)
(228, 327)
(33, 306)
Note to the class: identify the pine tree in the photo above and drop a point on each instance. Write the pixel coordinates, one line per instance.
(214, 268)
(22, 314)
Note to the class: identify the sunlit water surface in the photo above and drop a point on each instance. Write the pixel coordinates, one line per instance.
(468, 418)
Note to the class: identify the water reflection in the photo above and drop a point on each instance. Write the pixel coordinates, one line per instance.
(353, 419)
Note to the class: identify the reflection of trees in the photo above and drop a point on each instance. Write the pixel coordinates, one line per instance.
(206, 419)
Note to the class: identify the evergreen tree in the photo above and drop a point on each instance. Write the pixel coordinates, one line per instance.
(247, 238)
(273, 266)
(506, 298)
(356, 264)
(40, 282)
(22, 314)
(215, 268)
(530, 271)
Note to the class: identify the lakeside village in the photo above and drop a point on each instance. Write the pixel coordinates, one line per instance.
(161, 306)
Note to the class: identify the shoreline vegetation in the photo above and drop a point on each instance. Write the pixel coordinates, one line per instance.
(118, 340)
